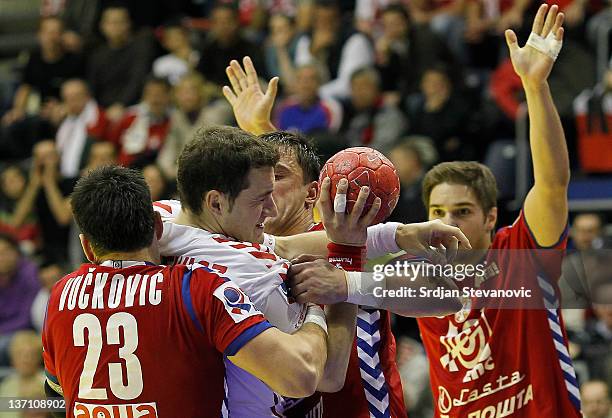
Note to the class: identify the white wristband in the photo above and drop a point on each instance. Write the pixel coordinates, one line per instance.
(381, 239)
(316, 315)
(360, 289)
(549, 46)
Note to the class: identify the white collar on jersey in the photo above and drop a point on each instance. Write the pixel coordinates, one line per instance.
(121, 264)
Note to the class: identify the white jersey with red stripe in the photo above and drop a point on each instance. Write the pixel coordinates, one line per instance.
(259, 272)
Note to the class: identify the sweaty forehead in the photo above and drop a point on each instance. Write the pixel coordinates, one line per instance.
(450, 195)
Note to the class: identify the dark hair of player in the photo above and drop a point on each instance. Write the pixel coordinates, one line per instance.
(300, 148)
(220, 158)
(112, 207)
(476, 176)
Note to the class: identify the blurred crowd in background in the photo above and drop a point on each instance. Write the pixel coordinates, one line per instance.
(85, 83)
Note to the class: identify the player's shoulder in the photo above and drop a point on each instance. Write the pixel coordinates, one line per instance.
(168, 209)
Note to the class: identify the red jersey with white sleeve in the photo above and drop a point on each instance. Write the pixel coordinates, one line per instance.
(130, 339)
(490, 363)
(372, 387)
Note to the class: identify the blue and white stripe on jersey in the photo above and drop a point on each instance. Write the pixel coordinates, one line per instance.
(551, 302)
(372, 376)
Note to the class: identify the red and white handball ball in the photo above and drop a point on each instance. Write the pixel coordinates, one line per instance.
(364, 166)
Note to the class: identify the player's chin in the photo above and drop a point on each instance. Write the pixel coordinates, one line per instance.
(258, 232)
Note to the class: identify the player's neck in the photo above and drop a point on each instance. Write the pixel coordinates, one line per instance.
(188, 218)
(140, 255)
(297, 225)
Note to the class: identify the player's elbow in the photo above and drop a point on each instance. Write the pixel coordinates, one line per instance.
(333, 383)
(302, 381)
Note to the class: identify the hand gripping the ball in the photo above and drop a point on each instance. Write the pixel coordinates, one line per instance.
(343, 228)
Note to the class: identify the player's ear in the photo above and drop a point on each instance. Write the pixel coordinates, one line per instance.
(213, 202)
(491, 219)
(159, 225)
(89, 254)
(313, 193)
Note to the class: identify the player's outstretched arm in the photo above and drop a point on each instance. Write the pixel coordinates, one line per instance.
(290, 364)
(545, 206)
(319, 282)
(252, 107)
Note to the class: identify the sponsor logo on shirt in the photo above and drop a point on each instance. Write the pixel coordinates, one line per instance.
(236, 302)
(134, 410)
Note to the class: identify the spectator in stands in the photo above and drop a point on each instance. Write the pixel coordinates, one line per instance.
(195, 108)
(445, 18)
(47, 67)
(595, 396)
(48, 276)
(412, 157)
(305, 112)
(157, 182)
(339, 50)
(118, 68)
(28, 377)
(405, 51)
(225, 43)
(100, 154)
(593, 111)
(280, 50)
(413, 368)
(367, 120)
(181, 59)
(80, 18)
(596, 340)
(12, 186)
(18, 287)
(46, 196)
(439, 114)
(142, 131)
(587, 231)
(85, 122)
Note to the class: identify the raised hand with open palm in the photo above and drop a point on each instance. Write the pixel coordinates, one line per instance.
(532, 65)
(252, 107)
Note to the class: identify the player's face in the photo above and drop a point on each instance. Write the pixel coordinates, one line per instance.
(456, 204)
(291, 196)
(245, 220)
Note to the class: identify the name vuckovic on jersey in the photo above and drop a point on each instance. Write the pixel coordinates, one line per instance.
(87, 291)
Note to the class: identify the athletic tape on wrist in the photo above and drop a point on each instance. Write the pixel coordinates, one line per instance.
(360, 288)
(346, 257)
(381, 239)
(316, 315)
(549, 46)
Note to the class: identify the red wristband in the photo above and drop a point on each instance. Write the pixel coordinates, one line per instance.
(347, 257)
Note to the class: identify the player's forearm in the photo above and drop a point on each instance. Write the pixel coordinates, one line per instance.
(341, 319)
(548, 145)
(314, 243)
(404, 295)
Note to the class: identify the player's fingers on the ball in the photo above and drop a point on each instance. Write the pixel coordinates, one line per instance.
(251, 74)
(240, 74)
(340, 198)
(229, 95)
(368, 219)
(538, 22)
(233, 79)
(360, 203)
(325, 207)
(550, 20)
